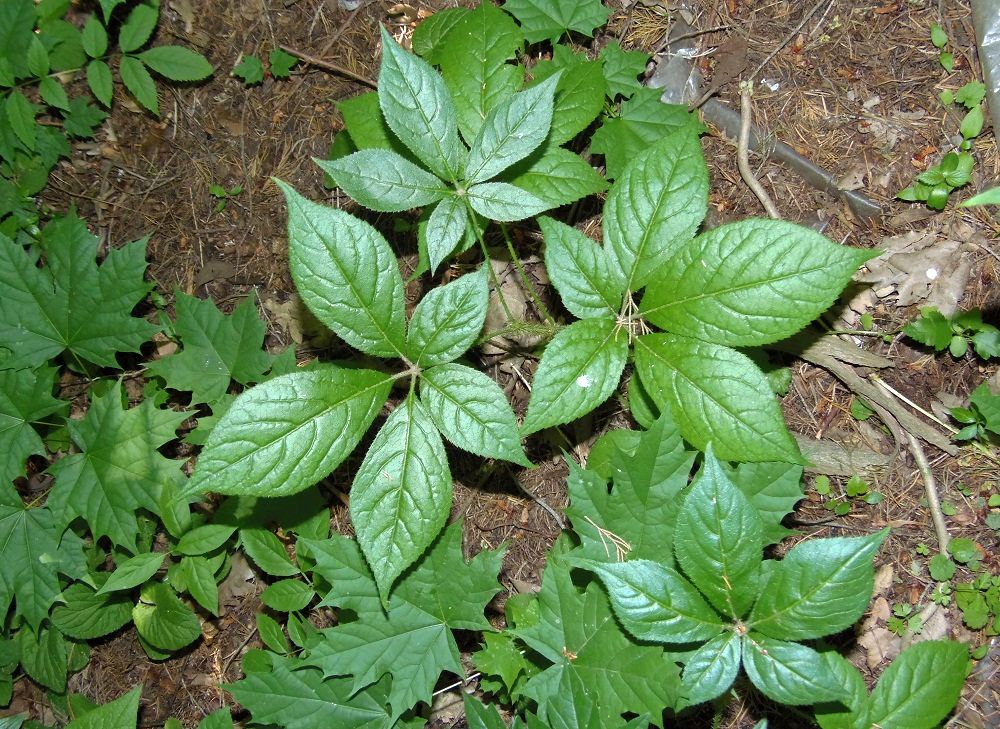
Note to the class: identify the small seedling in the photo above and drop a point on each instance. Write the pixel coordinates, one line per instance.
(904, 620)
(251, 71)
(223, 195)
(955, 333)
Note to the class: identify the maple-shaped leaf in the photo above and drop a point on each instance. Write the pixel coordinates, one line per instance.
(622, 69)
(577, 632)
(70, 303)
(639, 513)
(644, 119)
(413, 640)
(548, 19)
(216, 349)
(25, 398)
(29, 542)
(119, 469)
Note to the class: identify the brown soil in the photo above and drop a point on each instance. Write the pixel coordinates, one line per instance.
(855, 90)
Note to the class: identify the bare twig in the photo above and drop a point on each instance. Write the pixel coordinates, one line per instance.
(788, 38)
(930, 488)
(742, 149)
(328, 66)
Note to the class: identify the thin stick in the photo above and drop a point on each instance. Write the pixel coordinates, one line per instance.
(328, 66)
(787, 39)
(933, 502)
(742, 148)
(525, 281)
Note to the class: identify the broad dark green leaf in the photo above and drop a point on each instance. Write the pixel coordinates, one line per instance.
(271, 634)
(340, 562)
(94, 37)
(749, 283)
(204, 538)
(21, 117)
(579, 94)
(581, 270)
(133, 572)
(53, 93)
(654, 602)
(177, 63)
(655, 207)
(711, 670)
(282, 436)
(200, 576)
(428, 37)
(139, 83)
(138, 27)
(287, 595)
(556, 176)
(821, 587)
(789, 673)
(25, 398)
(163, 620)
(622, 69)
(381, 180)
(717, 395)
(100, 81)
(548, 19)
(418, 108)
(401, 494)
(472, 412)
(347, 274)
(445, 228)
(579, 370)
(504, 202)
(29, 539)
(920, 687)
(480, 716)
(448, 320)
(85, 615)
(773, 489)
(43, 655)
(847, 713)
(512, 130)
(37, 58)
(122, 712)
(718, 540)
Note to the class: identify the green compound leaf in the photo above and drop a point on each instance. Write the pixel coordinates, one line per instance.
(622, 69)
(163, 620)
(644, 120)
(418, 108)
(85, 615)
(100, 81)
(654, 602)
(347, 274)
(177, 63)
(448, 320)
(402, 493)
(53, 93)
(750, 283)
(133, 572)
(711, 670)
(118, 469)
(138, 27)
(381, 180)
(511, 131)
(556, 176)
(789, 673)
(445, 228)
(579, 370)
(655, 206)
(25, 399)
(30, 541)
(920, 687)
(821, 587)
(548, 19)
(428, 39)
(579, 94)
(472, 412)
(504, 202)
(94, 37)
(38, 58)
(138, 82)
(366, 126)
(474, 58)
(217, 349)
(718, 540)
(717, 395)
(284, 435)
(21, 116)
(773, 489)
(589, 286)
(122, 712)
(72, 303)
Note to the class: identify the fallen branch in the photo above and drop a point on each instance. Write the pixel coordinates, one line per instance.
(328, 66)
(742, 152)
(930, 488)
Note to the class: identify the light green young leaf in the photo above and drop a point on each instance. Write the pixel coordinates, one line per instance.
(267, 551)
(556, 176)
(749, 283)
(250, 70)
(418, 108)
(25, 399)
(548, 19)
(281, 62)
(177, 63)
(163, 620)
(123, 712)
(655, 207)
(445, 228)
(21, 117)
(94, 37)
(718, 540)
(381, 180)
(717, 395)
(986, 197)
(512, 130)
(474, 58)
(579, 370)
(448, 320)
(53, 93)
(30, 540)
(580, 269)
(85, 615)
(287, 596)
(402, 493)
(472, 412)
(622, 69)
(271, 634)
(133, 572)
(282, 436)
(789, 673)
(100, 81)
(138, 27)
(504, 202)
(429, 36)
(821, 587)
(347, 274)
(920, 687)
(138, 81)
(711, 670)
(205, 538)
(366, 126)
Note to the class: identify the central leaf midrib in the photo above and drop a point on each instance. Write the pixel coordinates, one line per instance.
(525, 117)
(436, 333)
(773, 616)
